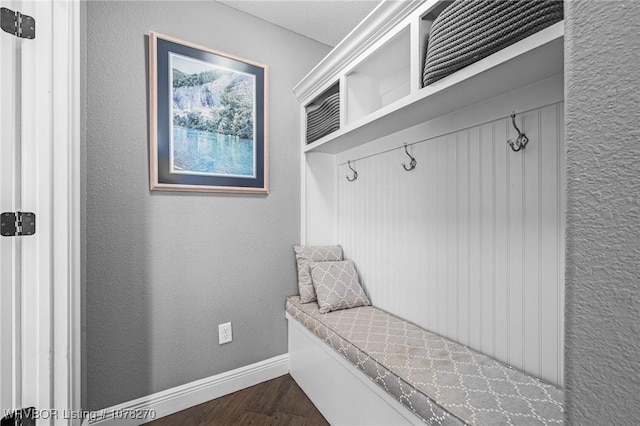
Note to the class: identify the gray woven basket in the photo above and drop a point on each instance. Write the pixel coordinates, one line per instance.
(469, 30)
(324, 119)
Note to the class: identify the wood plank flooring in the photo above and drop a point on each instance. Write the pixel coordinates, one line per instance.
(276, 402)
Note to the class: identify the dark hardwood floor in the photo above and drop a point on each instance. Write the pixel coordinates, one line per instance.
(276, 402)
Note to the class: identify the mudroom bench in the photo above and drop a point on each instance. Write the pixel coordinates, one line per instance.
(365, 366)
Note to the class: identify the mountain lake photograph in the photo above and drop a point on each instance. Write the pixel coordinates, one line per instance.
(213, 118)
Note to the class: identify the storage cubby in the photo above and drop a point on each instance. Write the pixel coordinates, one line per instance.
(323, 114)
(381, 79)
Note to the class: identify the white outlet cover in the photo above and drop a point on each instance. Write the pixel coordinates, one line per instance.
(224, 333)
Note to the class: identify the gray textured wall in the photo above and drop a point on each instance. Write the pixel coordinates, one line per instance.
(164, 269)
(603, 221)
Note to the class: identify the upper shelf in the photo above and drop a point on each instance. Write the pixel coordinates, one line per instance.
(536, 58)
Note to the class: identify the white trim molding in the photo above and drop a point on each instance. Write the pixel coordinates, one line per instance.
(171, 401)
(66, 211)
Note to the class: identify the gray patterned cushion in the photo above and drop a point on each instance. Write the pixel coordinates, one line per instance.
(306, 254)
(337, 286)
(441, 381)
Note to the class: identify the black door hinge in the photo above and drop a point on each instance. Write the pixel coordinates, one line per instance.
(23, 26)
(24, 417)
(17, 223)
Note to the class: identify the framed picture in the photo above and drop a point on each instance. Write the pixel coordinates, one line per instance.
(208, 119)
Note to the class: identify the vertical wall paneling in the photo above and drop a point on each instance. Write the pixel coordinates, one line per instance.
(487, 244)
(470, 243)
(531, 245)
(460, 263)
(501, 248)
(440, 248)
(320, 206)
(474, 218)
(515, 231)
(451, 236)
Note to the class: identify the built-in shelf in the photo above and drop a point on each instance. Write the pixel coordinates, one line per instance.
(536, 58)
(381, 79)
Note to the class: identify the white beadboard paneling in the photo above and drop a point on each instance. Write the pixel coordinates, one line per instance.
(319, 208)
(487, 248)
(531, 245)
(461, 266)
(515, 231)
(501, 249)
(474, 218)
(470, 243)
(552, 264)
(451, 240)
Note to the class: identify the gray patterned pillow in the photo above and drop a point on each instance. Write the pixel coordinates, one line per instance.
(337, 286)
(306, 254)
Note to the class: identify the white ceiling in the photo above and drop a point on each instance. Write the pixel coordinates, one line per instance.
(327, 21)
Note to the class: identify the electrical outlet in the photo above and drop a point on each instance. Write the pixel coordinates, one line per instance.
(224, 333)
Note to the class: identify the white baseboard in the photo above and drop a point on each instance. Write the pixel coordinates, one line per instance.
(182, 397)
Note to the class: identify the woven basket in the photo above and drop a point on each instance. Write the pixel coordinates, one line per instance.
(469, 30)
(324, 119)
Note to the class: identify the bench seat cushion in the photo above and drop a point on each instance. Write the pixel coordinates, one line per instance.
(441, 381)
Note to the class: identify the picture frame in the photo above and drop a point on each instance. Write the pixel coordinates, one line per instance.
(208, 119)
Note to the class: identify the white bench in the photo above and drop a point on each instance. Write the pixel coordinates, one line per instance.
(363, 366)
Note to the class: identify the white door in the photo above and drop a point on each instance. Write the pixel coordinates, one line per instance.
(16, 282)
(40, 173)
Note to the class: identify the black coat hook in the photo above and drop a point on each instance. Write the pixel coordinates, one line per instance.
(355, 174)
(412, 164)
(522, 139)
